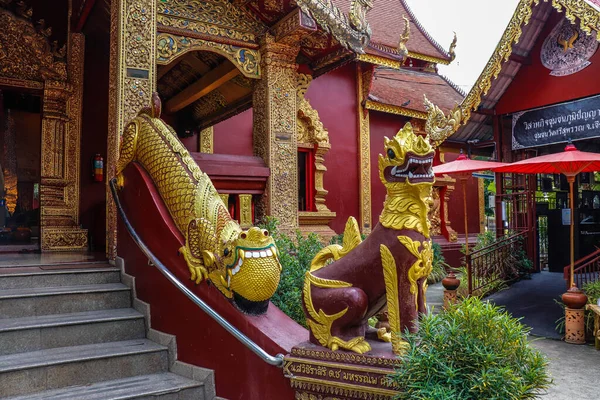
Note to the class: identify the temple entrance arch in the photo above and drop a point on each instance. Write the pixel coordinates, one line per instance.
(29, 63)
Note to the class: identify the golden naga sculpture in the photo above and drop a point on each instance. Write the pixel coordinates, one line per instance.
(243, 265)
(389, 268)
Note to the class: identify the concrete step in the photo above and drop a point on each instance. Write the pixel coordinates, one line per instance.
(26, 302)
(58, 277)
(157, 386)
(18, 335)
(43, 370)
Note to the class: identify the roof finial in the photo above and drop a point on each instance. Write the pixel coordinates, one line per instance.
(452, 48)
(402, 49)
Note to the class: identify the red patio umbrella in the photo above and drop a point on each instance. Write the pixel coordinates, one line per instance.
(570, 163)
(462, 168)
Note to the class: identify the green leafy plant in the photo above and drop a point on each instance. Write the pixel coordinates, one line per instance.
(472, 351)
(439, 265)
(295, 256)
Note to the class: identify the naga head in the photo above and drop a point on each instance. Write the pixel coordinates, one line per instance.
(408, 160)
(252, 269)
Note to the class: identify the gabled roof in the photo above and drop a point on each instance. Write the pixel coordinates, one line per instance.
(401, 92)
(518, 39)
(387, 25)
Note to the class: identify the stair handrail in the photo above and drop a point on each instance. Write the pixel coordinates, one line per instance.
(581, 264)
(276, 360)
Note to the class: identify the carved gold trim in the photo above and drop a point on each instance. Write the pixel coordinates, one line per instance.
(352, 31)
(378, 60)
(170, 47)
(344, 357)
(363, 368)
(424, 57)
(225, 198)
(131, 83)
(363, 82)
(589, 21)
(340, 388)
(21, 83)
(481, 192)
(245, 210)
(391, 109)
(274, 105)
(207, 140)
(390, 277)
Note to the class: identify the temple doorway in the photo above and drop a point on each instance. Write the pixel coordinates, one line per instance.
(20, 161)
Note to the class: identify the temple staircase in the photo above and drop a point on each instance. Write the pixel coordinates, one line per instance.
(71, 333)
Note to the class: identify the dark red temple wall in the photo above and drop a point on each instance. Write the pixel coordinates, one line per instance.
(535, 87)
(333, 95)
(382, 125)
(94, 138)
(456, 213)
(234, 135)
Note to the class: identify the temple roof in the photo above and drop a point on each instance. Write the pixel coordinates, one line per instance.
(404, 89)
(515, 45)
(387, 25)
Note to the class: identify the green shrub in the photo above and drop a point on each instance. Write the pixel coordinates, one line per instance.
(295, 257)
(472, 351)
(438, 270)
(592, 291)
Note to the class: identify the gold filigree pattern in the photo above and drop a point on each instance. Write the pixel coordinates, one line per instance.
(378, 60)
(589, 22)
(217, 18)
(25, 52)
(363, 82)
(390, 276)
(421, 268)
(334, 252)
(352, 33)
(206, 141)
(275, 131)
(391, 109)
(170, 47)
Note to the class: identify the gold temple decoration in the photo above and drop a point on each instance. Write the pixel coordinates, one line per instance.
(206, 140)
(9, 168)
(312, 134)
(218, 20)
(275, 131)
(390, 275)
(132, 82)
(224, 198)
(378, 60)
(392, 109)
(402, 50)
(245, 210)
(589, 22)
(334, 252)
(31, 62)
(216, 248)
(363, 82)
(170, 47)
(421, 268)
(405, 206)
(352, 32)
(452, 50)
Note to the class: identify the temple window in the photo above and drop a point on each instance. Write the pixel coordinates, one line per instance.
(306, 178)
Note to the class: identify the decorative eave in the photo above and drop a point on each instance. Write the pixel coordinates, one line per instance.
(379, 60)
(427, 58)
(352, 32)
(391, 109)
(445, 126)
(421, 28)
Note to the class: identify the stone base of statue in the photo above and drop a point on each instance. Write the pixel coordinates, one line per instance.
(317, 373)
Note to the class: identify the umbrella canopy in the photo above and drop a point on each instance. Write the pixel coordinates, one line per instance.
(464, 165)
(569, 162)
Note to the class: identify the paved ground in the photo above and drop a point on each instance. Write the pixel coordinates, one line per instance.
(575, 370)
(533, 301)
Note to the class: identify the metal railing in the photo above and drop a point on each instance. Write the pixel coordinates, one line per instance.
(495, 262)
(585, 270)
(276, 360)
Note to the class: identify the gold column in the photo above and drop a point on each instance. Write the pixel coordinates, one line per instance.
(132, 82)
(275, 141)
(61, 131)
(363, 79)
(245, 210)
(206, 140)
